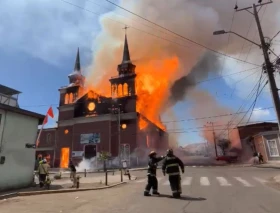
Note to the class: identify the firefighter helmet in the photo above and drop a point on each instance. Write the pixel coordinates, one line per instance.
(152, 153)
(169, 152)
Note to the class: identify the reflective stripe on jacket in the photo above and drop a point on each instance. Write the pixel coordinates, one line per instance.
(171, 165)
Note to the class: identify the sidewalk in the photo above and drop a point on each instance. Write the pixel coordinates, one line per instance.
(269, 165)
(91, 182)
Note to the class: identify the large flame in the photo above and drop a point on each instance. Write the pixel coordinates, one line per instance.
(152, 88)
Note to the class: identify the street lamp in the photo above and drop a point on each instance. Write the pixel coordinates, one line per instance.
(221, 32)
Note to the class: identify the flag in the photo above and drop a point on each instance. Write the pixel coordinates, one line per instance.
(50, 112)
(45, 120)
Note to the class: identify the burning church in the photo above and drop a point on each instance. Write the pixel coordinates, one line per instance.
(90, 123)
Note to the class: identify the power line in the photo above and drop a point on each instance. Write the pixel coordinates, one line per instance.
(214, 116)
(194, 42)
(242, 106)
(219, 125)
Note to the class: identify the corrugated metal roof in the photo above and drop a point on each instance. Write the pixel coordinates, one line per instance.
(8, 91)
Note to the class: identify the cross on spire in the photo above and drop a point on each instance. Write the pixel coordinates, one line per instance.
(125, 28)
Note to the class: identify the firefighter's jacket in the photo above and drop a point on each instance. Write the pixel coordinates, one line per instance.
(152, 165)
(171, 165)
(43, 169)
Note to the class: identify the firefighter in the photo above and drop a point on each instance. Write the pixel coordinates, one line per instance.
(73, 174)
(171, 166)
(43, 171)
(152, 172)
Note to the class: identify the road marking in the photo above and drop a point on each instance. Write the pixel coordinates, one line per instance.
(204, 181)
(166, 183)
(140, 181)
(159, 179)
(187, 181)
(223, 181)
(260, 180)
(244, 182)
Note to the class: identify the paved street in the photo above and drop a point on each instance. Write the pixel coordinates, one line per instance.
(205, 190)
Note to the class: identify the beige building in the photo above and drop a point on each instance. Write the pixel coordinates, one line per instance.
(18, 127)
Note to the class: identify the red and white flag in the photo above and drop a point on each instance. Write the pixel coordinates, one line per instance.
(49, 113)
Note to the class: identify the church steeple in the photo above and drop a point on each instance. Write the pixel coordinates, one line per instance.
(77, 66)
(76, 76)
(126, 55)
(126, 67)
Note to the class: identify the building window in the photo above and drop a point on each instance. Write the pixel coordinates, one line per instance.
(272, 148)
(49, 138)
(66, 99)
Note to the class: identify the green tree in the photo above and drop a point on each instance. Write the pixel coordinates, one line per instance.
(104, 156)
(224, 145)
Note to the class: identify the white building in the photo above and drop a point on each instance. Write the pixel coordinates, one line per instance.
(18, 127)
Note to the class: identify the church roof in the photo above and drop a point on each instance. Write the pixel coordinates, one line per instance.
(77, 66)
(126, 55)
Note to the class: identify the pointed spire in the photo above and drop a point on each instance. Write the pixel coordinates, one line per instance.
(126, 55)
(77, 63)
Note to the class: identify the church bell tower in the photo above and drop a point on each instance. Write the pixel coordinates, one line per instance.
(123, 85)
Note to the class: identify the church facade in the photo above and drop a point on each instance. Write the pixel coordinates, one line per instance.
(89, 123)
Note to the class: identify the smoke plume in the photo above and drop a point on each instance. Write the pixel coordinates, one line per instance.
(208, 63)
(168, 66)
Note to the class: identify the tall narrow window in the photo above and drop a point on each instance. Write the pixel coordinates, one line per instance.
(66, 99)
(70, 98)
(49, 138)
(120, 90)
(273, 149)
(125, 89)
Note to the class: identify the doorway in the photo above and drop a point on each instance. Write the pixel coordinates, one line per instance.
(90, 151)
(64, 157)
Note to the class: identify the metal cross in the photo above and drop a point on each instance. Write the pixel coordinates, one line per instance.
(125, 28)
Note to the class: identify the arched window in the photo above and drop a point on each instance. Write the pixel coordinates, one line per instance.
(49, 138)
(66, 99)
(125, 89)
(120, 90)
(70, 98)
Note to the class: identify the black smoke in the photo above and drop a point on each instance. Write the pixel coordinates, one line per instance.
(208, 63)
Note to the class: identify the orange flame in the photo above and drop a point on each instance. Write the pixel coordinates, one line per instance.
(152, 85)
(64, 159)
(152, 88)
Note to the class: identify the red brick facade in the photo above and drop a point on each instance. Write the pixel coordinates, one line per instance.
(93, 113)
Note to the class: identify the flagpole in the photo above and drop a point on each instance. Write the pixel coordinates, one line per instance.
(37, 141)
(49, 113)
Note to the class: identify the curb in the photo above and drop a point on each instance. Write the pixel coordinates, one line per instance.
(268, 167)
(7, 196)
(17, 194)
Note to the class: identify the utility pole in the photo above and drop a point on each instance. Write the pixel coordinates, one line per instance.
(119, 134)
(214, 137)
(268, 64)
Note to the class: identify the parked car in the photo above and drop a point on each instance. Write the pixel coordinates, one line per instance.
(228, 158)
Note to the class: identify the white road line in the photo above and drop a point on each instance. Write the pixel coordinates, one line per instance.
(187, 181)
(159, 179)
(260, 180)
(166, 183)
(204, 181)
(244, 182)
(223, 181)
(141, 181)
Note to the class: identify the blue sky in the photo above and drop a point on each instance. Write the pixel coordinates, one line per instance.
(39, 40)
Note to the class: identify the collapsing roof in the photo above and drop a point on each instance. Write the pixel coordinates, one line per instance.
(8, 91)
